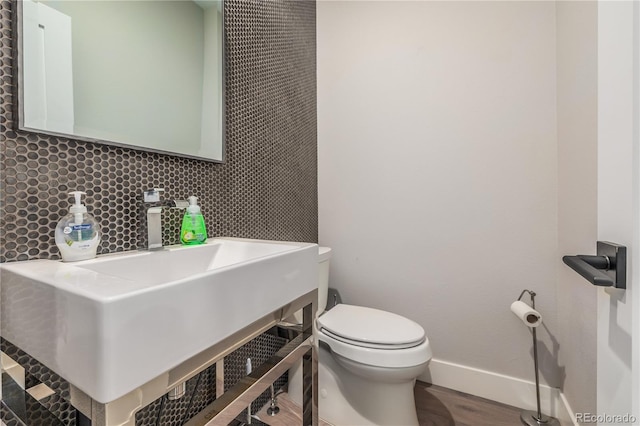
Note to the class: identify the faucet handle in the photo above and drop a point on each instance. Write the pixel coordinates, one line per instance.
(178, 204)
(152, 195)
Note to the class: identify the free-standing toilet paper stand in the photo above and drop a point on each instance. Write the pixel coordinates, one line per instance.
(528, 417)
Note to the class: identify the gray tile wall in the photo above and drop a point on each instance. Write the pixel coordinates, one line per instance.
(266, 189)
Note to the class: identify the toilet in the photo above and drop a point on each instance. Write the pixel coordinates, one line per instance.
(368, 362)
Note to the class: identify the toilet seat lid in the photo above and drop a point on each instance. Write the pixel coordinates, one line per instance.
(371, 327)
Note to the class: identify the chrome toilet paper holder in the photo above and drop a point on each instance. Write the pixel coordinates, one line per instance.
(528, 417)
(607, 269)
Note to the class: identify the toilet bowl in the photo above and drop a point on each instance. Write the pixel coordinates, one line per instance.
(368, 362)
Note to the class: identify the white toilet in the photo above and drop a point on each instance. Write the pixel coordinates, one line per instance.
(368, 362)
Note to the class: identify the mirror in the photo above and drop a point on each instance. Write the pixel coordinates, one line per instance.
(146, 74)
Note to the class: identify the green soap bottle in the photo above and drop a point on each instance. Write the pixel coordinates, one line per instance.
(193, 229)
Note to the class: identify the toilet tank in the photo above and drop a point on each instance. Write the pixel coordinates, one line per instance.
(324, 257)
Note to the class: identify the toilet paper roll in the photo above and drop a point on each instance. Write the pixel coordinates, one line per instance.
(526, 313)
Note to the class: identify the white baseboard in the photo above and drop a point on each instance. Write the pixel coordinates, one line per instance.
(498, 387)
(565, 413)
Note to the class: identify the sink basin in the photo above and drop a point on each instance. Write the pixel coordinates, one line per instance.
(110, 324)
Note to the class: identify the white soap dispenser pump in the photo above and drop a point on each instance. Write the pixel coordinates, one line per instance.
(77, 234)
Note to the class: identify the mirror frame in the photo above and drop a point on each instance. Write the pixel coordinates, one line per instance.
(18, 83)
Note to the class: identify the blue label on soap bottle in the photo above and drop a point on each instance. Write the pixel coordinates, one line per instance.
(82, 227)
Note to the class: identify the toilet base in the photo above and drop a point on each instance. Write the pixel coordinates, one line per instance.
(350, 399)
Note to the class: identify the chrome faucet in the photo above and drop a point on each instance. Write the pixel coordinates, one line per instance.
(154, 215)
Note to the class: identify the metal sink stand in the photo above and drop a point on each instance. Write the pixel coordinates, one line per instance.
(228, 405)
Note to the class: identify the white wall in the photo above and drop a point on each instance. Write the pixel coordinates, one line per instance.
(438, 169)
(577, 80)
(618, 195)
(635, 364)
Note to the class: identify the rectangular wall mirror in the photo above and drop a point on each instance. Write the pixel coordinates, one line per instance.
(146, 74)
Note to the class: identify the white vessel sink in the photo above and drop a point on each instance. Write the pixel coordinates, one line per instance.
(111, 324)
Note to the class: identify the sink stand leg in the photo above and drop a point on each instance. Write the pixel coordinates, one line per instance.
(310, 370)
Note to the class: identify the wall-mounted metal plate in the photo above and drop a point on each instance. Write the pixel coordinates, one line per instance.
(617, 255)
(607, 269)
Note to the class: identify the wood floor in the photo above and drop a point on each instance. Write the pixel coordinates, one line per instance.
(439, 406)
(290, 414)
(436, 406)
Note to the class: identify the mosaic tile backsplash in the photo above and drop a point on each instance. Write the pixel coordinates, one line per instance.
(35, 373)
(266, 189)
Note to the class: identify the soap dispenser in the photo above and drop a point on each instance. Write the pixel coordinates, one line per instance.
(77, 234)
(193, 229)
